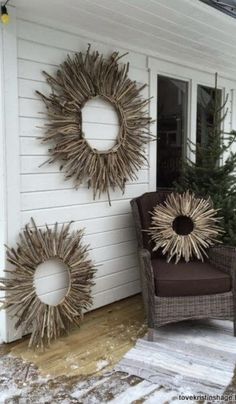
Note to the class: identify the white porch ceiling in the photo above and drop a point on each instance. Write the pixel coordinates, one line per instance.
(185, 29)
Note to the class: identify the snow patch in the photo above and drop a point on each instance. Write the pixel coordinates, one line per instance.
(101, 364)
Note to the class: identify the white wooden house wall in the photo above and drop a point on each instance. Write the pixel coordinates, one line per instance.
(28, 190)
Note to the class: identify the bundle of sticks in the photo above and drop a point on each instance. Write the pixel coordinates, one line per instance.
(79, 79)
(197, 229)
(36, 245)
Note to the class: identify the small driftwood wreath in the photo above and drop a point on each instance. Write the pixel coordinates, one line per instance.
(184, 226)
(47, 322)
(79, 79)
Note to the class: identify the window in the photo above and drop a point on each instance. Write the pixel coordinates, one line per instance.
(205, 110)
(171, 129)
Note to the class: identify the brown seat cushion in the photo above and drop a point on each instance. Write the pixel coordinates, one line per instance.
(188, 279)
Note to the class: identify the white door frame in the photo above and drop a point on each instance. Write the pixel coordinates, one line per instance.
(3, 326)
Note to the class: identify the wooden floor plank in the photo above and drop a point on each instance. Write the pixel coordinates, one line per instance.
(105, 335)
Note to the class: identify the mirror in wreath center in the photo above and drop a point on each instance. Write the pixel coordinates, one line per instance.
(183, 225)
(100, 123)
(52, 281)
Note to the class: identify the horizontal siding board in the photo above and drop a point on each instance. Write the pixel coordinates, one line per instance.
(116, 265)
(35, 147)
(110, 237)
(76, 213)
(97, 115)
(104, 224)
(33, 71)
(97, 226)
(102, 145)
(35, 109)
(53, 297)
(137, 36)
(54, 181)
(92, 130)
(28, 87)
(113, 251)
(40, 53)
(56, 39)
(154, 24)
(51, 282)
(44, 286)
(162, 14)
(51, 288)
(202, 19)
(47, 199)
(43, 53)
(32, 108)
(31, 127)
(117, 293)
(172, 17)
(162, 34)
(114, 280)
(104, 269)
(37, 165)
(101, 298)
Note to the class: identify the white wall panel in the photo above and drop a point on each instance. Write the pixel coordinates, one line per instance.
(46, 196)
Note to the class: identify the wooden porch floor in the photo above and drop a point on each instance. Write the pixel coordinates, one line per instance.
(105, 335)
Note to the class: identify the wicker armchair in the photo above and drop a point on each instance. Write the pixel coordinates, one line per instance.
(193, 290)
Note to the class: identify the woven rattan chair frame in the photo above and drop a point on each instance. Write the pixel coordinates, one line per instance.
(165, 310)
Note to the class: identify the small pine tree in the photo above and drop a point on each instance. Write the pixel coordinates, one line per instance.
(213, 174)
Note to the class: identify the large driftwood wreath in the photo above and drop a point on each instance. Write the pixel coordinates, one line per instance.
(79, 79)
(184, 226)
(47, 322)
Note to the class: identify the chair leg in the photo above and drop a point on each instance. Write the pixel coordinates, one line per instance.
(150, 335)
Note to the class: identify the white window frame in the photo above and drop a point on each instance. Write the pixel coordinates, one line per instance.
(193, 77)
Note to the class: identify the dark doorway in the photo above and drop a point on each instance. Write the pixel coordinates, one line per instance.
(172, 101)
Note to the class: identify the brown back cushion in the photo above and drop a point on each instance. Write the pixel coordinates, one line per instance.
(146, 204)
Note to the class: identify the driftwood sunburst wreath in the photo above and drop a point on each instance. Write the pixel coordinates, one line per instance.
(184, 226)
(47, 322)
(79, 79)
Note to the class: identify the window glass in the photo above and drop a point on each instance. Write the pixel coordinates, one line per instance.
(171, 129)
(205, 110)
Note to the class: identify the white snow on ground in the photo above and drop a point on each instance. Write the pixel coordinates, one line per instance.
(81, 390)
(16, 378)
(21, 383)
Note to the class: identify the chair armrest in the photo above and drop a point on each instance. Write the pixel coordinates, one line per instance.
(145, 254)
(146, 267)
(147, 283)
(224, 258)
